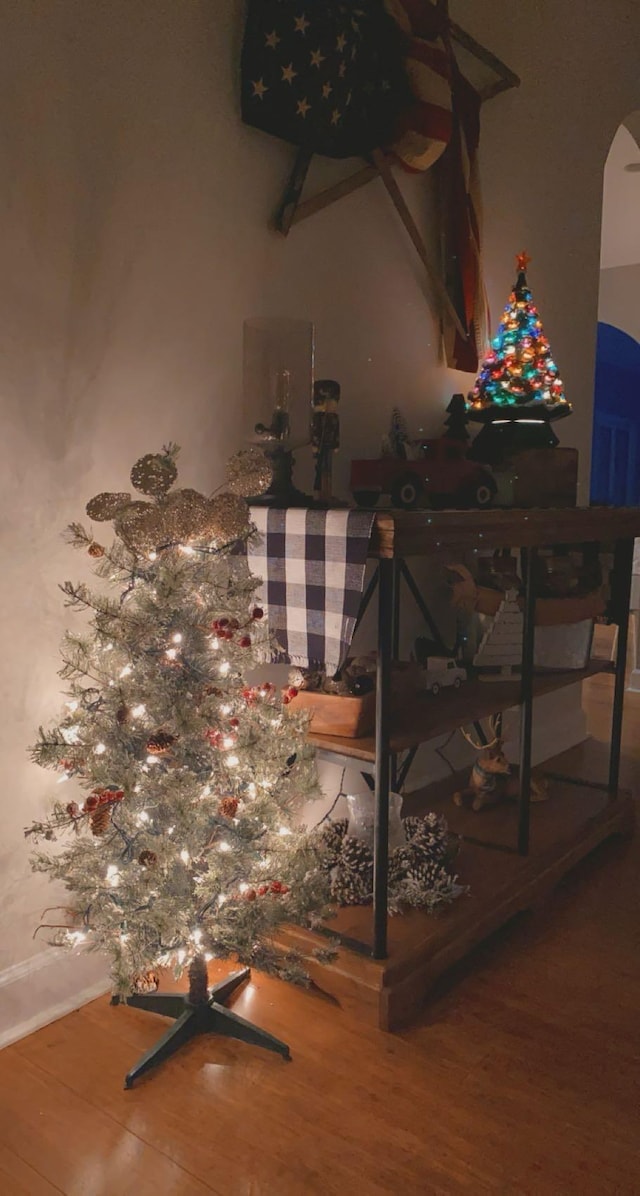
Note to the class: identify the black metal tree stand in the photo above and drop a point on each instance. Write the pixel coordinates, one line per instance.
(200, 1011)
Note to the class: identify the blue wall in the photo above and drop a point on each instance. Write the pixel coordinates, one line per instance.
(615, 477)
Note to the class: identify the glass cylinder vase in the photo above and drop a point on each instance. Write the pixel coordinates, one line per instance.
(361, 807)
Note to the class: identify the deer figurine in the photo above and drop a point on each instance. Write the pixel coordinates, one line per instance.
(492, 781)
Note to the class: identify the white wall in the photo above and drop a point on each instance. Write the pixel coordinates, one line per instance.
(621, 202)
(134, 241)
(619, 301)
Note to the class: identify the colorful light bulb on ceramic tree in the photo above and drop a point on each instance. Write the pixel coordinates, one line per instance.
(519, 369)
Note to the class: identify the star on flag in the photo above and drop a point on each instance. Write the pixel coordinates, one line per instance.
(317, 58)
(259, 89)
(272, 40)
(303, 107)
(288, 73)
(301, 25)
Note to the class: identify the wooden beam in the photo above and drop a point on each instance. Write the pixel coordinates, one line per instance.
(330, 195)
(505, 74)
(446, 306)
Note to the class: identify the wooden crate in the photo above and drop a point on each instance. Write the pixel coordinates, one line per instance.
(337, 714)
(546, 477)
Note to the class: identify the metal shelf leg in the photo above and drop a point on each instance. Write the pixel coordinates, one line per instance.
(528, 560)
(623, 570)
(387, 590)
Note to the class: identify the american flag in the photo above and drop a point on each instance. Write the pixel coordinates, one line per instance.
(323, 74)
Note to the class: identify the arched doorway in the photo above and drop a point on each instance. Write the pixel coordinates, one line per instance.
(616, 423)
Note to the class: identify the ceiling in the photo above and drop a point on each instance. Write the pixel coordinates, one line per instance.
(621, 210)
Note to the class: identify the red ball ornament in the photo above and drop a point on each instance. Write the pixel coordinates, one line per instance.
(262, 889)
(276, 886)
(245, 642)
(285, 699)
(293, 691)
(251, 894)
(258, 613)
(91, 803)
(234, 722)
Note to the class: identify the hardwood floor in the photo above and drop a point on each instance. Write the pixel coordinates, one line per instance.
(522, 1076)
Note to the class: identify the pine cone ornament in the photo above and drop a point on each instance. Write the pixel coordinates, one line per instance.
(100, 818)
(352, 879)
(146, 982)
(160, 743)
(332, 838)
(95, 550)
(147, 858)
(228, 807)
(122, 715)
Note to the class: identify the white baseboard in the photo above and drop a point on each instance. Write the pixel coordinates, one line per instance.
(45, 987)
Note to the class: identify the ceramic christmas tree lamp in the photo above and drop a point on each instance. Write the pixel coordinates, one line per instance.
(519, 392)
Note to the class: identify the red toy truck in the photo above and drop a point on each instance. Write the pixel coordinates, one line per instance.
(439, 476)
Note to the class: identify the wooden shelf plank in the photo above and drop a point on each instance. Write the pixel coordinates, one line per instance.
(418, 533)
(431, 716)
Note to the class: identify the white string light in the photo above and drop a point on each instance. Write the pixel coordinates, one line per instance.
(138, 711)
(224, 668)
(126, 671)
(224, 846)
(232, 761)
(113, 876)
(184, 856)
(99, 749)
(171, 653)
(177, 638)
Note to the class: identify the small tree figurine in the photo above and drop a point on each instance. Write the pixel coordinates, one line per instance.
(456, 423)
(182, 844)
(398, 434)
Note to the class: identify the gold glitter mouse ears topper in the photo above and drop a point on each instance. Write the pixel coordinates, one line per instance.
(182, 516)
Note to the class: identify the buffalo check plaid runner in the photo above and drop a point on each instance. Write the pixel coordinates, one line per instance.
(312, 565)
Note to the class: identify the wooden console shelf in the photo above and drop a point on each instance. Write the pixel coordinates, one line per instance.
(525, 847)
(422, 533)
(431, 715)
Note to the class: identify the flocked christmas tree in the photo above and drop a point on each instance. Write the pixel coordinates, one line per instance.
(519, 383)
(180, 843)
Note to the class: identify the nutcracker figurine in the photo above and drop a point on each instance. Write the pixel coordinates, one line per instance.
(325, 435)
